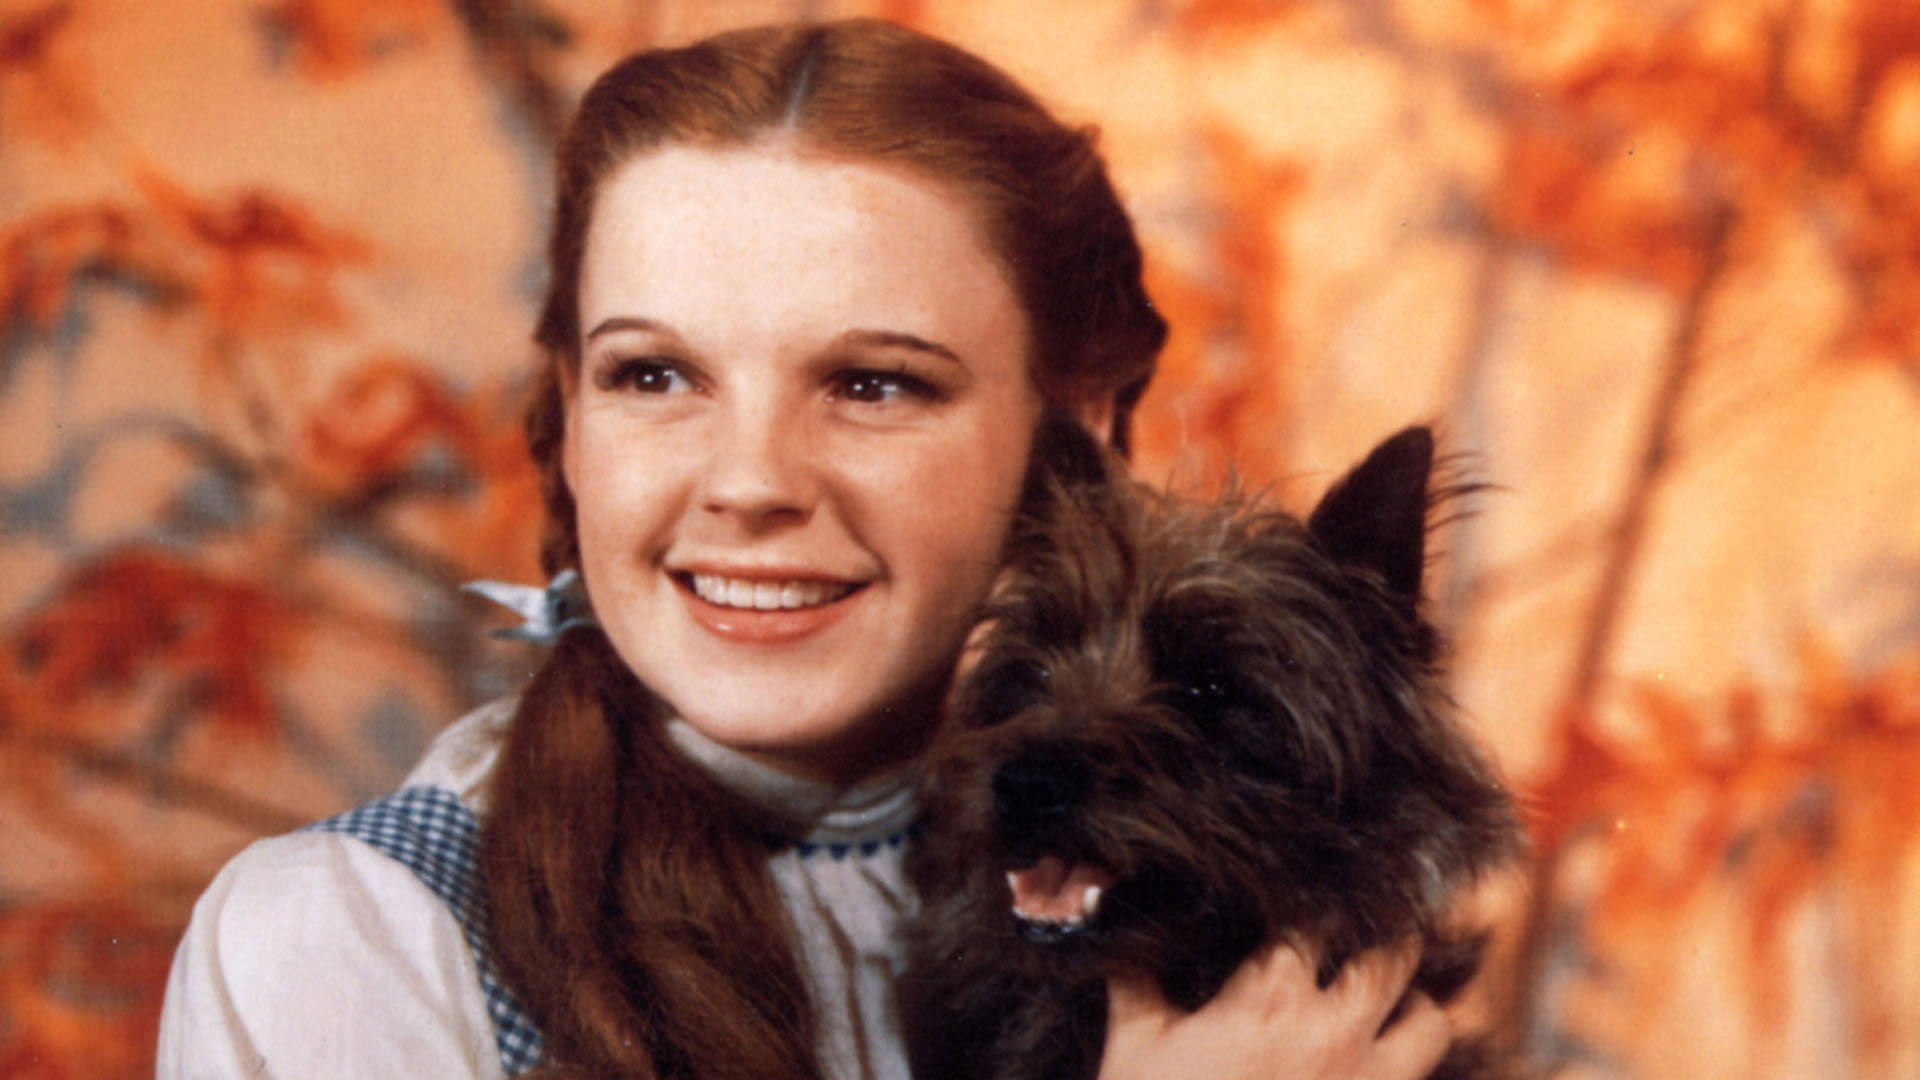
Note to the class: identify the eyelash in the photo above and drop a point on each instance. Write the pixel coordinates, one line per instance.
(628, 373)
(908, 385)
(855, 385)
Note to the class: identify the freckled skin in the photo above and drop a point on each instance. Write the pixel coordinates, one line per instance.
(794, 368)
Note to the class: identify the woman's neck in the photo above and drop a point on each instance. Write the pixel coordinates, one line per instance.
(872, 806)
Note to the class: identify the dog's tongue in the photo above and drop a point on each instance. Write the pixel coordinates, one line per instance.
(1054, 890)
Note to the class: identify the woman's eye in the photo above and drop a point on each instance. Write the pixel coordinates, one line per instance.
(645, 377)
(883, 388)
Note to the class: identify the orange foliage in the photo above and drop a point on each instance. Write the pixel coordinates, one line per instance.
(43, 255)
(24, 37)
(216, 642)
(1869, 202)
(1707, 800)
(1219, 397)
(1634, 150)
(333, 39)
(1582, 199)
(1719, 102)
(39, 94)
(379, 421)
(904, 12)
(256, 265)
(1885, 43)
(1196, 18)
(80, 990)
(1882, 256)
(259, 265)
(1622, 160)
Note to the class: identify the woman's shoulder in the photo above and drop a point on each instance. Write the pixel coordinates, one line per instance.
(314, 954)
(376, 850)
(394, 860)
(412, 852)
(295, 891)
(349, 943)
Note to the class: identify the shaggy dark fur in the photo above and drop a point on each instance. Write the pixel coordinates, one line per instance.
(1230, 718)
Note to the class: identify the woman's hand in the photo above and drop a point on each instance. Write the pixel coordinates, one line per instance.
(1270, 1021)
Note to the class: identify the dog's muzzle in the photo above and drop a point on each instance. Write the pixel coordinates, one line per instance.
(1038, 791)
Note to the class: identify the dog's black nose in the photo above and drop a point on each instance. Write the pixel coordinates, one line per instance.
(1037, 787)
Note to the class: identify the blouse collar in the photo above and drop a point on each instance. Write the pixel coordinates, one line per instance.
(821, 813)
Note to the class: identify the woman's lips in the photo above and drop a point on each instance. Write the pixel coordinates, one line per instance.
(764, 610)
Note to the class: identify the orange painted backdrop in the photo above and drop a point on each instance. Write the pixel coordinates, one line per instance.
(267, 270)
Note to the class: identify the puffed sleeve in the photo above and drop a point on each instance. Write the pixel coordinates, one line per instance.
(313, 955)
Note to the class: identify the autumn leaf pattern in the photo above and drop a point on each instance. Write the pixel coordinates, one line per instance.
(43, 91)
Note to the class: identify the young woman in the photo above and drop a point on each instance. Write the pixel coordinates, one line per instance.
(815, 293)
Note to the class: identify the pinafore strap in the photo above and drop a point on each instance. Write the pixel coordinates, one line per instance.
(430, 832)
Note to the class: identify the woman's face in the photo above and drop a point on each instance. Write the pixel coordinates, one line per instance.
(796, 443)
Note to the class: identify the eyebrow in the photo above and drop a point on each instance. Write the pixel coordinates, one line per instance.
(894, 339)
(888, 339)
(630, 322)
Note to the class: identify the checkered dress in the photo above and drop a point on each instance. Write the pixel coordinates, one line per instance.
(430, 832)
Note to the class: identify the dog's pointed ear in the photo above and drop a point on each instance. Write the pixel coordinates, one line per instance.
(1375, 517)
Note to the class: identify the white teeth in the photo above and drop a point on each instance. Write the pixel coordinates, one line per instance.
(1089, 901)
(1055, 922)
(766, 595)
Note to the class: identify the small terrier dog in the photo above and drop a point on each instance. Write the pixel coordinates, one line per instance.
(1191, 731)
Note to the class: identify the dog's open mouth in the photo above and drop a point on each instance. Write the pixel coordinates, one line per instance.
(1054, 896)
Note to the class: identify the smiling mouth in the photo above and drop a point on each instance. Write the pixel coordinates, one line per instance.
(1054, 898)
(745, 594)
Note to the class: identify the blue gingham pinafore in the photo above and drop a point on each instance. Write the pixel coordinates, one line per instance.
(430, 832)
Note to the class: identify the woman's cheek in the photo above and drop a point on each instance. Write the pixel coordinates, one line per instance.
(964, 507)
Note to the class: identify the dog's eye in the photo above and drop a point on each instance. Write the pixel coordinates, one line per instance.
(1211, 690)
(1030, 678)
(1208, 701)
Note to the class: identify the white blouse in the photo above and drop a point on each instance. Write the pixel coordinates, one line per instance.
(316, 955)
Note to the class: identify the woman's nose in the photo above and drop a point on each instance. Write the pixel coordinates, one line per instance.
(760, 471)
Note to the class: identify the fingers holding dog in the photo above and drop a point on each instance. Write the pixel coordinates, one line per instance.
(1414, 1042)
(1373, 985)
(1272, 1019)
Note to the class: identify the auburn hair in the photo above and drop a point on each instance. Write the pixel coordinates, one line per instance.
(632, 910)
